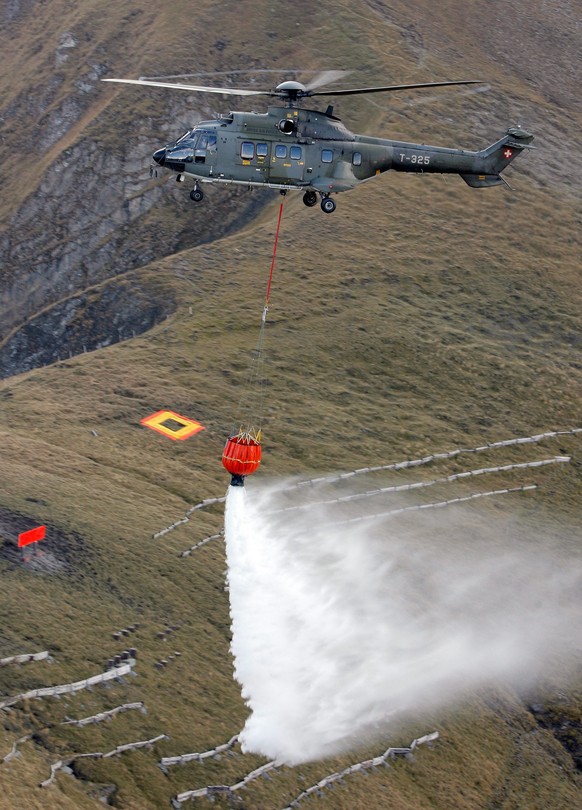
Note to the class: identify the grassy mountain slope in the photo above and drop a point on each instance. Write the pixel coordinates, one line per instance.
(421, 316)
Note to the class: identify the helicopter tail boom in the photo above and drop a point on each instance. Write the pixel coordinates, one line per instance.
(497, 157)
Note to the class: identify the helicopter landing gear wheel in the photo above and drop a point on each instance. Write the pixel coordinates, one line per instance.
(310, 198)
(328, 205)
(197, 194)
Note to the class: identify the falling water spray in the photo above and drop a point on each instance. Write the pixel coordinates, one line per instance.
(337, 629)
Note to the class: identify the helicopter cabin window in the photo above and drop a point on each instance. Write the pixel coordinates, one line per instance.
(280, 151)
(326, 155)
(247, 150)
(357, 158)
(295, 153)
(212, 141)
(262, 150)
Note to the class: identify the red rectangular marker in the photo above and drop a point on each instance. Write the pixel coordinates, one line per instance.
(31, 536)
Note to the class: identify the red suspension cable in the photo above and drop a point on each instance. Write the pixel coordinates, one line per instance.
(274, 256)
(242, 452)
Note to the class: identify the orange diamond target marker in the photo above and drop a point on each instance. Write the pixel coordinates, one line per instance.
(172, 425)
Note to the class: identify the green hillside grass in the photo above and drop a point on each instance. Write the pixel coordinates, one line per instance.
(421, 316)
(369, 359)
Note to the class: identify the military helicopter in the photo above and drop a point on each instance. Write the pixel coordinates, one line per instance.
(291, 147)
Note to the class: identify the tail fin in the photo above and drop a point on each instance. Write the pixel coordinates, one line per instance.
(493, 160)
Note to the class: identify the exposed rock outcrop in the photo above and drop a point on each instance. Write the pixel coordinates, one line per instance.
(91, 320)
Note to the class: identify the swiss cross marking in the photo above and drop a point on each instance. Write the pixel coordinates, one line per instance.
(507, 153)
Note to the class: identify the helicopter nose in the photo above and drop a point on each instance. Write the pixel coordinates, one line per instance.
(160, 156)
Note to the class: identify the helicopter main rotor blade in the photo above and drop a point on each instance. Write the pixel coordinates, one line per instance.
(326, 77)
(390, 88)
(229, 91)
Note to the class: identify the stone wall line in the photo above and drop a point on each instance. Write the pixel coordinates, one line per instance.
(165, 762)
(121, 749)
(99, 718)
(202, 505)
(202, 543)
(15, 752)
(402, 465)
(435, 504)
(68, 688)
(215, 790)
(25, 659)
(361, 767)
(211, 791)
(422, 484)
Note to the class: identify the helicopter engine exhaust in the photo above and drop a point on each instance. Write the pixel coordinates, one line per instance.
(286, 126)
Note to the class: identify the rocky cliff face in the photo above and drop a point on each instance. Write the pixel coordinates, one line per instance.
(90, 211)
(62, 239)
(90, 320)
(95, 215)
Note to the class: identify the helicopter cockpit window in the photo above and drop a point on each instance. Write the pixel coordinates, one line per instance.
(357, 158)
(326, 155)
(295, 153)
(247, 150)
(262, 150)
(207, 140)
(280, 151)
